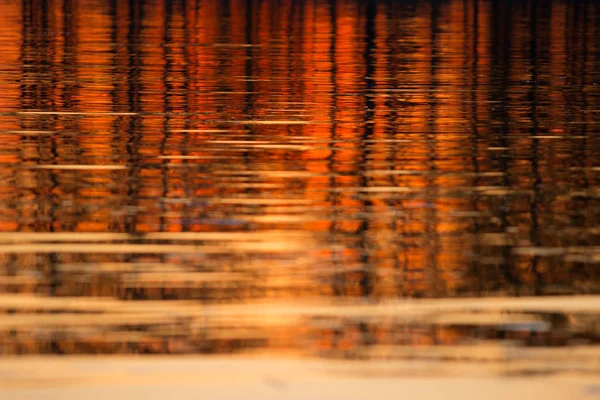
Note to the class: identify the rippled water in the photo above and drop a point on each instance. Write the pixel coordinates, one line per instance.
(288, 174)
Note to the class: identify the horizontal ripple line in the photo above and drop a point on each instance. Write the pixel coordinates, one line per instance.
(14, 237)
(76, 167)
(581, 304)
(74, 113)
(275, 247)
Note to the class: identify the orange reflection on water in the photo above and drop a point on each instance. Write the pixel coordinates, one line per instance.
(428, 149)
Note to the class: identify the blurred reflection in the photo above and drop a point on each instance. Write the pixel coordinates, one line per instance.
(241, 151)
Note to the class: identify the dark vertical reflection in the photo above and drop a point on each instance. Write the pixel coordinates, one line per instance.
(473, 24)
(532, 97)
(431, 222)
(502, 27)
(134, 42)
(368, 276)
(168, 76)
(38, 93)
(338, 282)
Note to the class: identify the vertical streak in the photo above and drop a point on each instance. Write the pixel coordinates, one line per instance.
(368, 278)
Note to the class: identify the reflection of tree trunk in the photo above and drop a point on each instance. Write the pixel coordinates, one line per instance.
(119, 95)
(475, 137)
(38, 93)
(190, 73)
(249, 97)
(367, 281)
(167, 108)
(134, 100)
(396, 225)
(532, 98)
(70, 86)
(431, 222)
(337, 262)
(502, 27)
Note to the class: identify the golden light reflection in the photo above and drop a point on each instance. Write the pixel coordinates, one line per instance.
(399, 150)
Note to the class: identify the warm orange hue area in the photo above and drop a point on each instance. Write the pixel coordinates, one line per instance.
(397, 107)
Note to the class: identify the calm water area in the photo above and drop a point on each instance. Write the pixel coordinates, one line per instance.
(342, 179)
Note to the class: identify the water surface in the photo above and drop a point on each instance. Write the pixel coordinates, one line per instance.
(293, 168)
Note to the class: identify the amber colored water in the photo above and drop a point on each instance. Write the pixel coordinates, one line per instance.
(304, 157)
